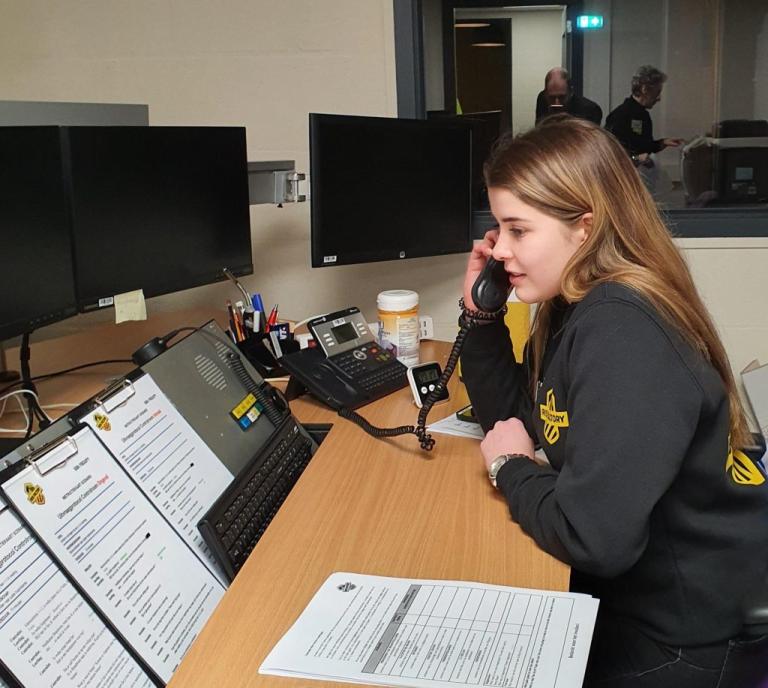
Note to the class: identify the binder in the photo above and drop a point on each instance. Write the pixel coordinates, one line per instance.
(201, 406)
(161, 452)
(114, 546)
(50, 631)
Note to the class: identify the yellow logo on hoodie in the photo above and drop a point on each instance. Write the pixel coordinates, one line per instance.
(553, 419)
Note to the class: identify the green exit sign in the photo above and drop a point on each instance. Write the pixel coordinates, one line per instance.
(589, 21)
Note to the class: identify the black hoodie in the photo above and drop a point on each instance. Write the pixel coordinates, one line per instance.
(643, 498)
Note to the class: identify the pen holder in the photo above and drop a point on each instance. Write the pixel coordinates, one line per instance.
(261, 358)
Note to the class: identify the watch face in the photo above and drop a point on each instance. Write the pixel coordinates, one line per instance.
(427, 375)
(496, 465)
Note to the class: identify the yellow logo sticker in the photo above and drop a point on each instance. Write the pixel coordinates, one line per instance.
(743, 470)
(102, 422)
(34, 493)
(553, 419)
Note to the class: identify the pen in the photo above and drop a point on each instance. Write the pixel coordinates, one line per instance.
(259, 321)
(232, 323)
(272, 319)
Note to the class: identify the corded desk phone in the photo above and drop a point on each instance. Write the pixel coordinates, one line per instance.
(350, 369)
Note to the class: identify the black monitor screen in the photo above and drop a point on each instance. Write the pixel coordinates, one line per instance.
(157, 208)
(384, 189)
(36, 279)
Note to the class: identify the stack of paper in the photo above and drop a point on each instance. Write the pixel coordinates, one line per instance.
(435, 634)
(460, 428)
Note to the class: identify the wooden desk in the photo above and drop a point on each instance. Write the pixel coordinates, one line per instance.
(371, 506)
(363, 505)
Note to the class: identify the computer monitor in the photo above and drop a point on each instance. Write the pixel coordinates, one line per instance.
(386, 189)
(36, 276)
(741, 172)
(160, 209)
(486, 129)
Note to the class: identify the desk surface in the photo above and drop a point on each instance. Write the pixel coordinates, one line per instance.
(371, 506)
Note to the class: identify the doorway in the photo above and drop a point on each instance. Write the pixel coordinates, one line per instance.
(500, 57)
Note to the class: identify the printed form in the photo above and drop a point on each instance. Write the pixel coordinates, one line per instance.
(128, 560)
(49, 634)
(169, 461)
(430, 634)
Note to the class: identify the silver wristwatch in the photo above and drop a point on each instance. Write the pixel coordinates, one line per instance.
(498, 462)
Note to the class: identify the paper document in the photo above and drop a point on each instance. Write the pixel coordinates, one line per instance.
(169, 461)
(427, 633)
(49, 634)
(451, 425)
(116, 545)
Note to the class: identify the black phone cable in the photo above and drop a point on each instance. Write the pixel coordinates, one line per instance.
(33, 406)
(468, 320)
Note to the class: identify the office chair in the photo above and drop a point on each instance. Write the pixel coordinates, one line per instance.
(756, 621)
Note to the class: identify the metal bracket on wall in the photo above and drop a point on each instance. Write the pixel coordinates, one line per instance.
(275, 182)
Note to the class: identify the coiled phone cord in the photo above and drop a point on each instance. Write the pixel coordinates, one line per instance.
(468, 320)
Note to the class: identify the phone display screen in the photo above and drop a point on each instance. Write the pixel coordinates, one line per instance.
(344, 333)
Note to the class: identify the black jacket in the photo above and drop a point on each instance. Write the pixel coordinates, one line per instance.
(578, 106)
(642, 499)
(632, 125)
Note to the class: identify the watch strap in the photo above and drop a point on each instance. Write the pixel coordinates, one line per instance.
(498, 462)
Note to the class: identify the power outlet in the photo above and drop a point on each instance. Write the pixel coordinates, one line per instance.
(426, 327)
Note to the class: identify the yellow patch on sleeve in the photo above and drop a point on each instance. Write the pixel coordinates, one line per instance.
(743, 470)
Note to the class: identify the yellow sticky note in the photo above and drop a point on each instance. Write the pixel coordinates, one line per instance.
(130, 306)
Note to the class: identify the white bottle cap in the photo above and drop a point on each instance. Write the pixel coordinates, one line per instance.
(397, 300)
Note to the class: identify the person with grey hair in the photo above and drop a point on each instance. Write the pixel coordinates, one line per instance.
(558, 96)
(630, 121)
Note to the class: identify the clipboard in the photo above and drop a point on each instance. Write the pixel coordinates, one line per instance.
(162, 454)
(109, 559)
(66, 448)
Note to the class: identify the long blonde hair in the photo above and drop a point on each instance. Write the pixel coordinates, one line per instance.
(566, 167)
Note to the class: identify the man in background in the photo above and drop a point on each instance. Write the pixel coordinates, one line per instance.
(630, 121)
(558, 96)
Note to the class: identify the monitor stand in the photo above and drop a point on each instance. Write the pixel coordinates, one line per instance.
(5, 374)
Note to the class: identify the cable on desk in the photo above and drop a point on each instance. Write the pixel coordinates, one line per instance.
(37, 378)
(468, 320)
(15, 395)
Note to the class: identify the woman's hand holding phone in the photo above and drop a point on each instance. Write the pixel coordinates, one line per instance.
(481, 251)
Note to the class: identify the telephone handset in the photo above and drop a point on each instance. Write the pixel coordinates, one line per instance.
(492, 287)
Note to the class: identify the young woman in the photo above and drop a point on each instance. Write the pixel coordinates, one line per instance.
(627, 388)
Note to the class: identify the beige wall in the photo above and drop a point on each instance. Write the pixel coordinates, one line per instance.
(265, 65)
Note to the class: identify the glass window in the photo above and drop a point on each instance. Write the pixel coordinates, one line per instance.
(682, 83)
